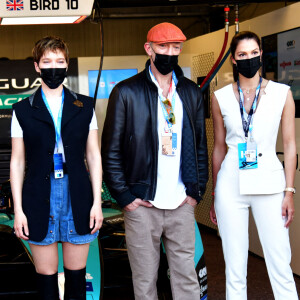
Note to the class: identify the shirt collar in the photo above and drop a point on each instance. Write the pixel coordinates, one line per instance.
(174, 82)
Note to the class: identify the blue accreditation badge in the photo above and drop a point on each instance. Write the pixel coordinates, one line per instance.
(174, 143)
(58, 165)
(247, 156)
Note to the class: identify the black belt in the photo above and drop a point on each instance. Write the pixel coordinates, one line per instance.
(64, 168)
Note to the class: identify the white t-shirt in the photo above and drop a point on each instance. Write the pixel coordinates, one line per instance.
(170, 190)
(54, 104)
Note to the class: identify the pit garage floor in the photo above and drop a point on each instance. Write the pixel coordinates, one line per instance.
(258, 282)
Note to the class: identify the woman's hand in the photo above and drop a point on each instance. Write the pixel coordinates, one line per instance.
(288, 209)
(96, 217)
(290, 156)
(212, 214)
(21, 225)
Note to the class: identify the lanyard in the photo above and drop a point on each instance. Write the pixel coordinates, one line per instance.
(57, 123)
(162, 98)
(247, 119)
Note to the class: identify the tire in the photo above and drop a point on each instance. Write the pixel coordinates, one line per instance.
(165, 295)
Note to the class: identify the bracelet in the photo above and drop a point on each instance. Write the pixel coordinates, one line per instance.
(290, 189)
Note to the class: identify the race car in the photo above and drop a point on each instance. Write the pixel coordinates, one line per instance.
(107, 263)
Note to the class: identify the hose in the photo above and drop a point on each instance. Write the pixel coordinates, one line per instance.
(101, 61)
(216, 71)
(226, 10)
(236, 20)
(205, 84)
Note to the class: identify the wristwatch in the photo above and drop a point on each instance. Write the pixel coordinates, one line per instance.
(290, 189)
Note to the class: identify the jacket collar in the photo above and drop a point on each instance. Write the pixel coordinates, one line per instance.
(70, 109)
(40, 110)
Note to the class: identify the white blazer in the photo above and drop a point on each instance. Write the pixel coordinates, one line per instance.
(269, 177)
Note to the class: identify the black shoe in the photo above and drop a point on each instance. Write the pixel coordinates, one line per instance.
(47, 286)
(75, 284)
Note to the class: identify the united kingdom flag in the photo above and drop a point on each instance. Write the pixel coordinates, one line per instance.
(14, 5)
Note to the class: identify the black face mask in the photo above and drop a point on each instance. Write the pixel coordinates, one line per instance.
(53, 77)
(248, 67)
(165, 64)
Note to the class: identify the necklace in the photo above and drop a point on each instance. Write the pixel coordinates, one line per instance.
(248, 94)
(247, 91)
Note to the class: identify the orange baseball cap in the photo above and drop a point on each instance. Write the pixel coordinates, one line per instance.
(165, 33)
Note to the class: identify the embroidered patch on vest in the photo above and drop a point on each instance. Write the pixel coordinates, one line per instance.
(78, 103)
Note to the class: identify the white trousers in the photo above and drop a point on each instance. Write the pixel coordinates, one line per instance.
(233, 219)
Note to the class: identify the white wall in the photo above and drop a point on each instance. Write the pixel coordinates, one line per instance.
(277, 21)
(86, 64)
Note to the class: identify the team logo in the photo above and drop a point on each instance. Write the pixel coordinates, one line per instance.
(14, 5)
(203, 272)
(290, 44)
(285, 64)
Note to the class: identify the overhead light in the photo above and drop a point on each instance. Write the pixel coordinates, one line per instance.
(42, 20)
(30, 12)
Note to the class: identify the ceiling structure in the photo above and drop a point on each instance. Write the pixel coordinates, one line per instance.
(210, 12)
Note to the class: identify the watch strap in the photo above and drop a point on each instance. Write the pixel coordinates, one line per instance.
(290, 189)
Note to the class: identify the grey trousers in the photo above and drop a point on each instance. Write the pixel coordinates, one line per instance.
(144, 229)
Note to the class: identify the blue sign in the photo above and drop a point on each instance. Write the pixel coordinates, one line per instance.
(108, 79)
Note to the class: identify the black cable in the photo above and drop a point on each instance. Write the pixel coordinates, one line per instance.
(101, 60)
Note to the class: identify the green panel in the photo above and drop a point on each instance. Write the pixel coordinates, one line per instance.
(6, 101)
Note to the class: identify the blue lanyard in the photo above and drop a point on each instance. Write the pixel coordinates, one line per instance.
(247, 119)
(162, 98)
(57, 123)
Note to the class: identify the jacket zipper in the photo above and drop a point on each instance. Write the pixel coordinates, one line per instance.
(155, 140)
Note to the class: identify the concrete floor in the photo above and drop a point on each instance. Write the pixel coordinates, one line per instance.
(258, 282)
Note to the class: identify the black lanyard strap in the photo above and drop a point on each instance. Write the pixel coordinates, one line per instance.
(246, 123)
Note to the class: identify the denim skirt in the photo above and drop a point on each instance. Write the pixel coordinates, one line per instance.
(61, 224)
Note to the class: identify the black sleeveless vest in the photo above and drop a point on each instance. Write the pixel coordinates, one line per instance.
(39, 139)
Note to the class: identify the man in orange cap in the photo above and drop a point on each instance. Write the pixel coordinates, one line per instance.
(155, 164)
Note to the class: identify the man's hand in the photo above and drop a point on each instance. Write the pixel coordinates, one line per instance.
(191, 201)
(136, 203)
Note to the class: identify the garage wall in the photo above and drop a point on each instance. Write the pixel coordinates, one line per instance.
(121, 36)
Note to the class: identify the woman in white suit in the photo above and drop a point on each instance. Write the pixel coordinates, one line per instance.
(247, 172)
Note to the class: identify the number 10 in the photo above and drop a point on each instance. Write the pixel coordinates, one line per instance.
(72, 4)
